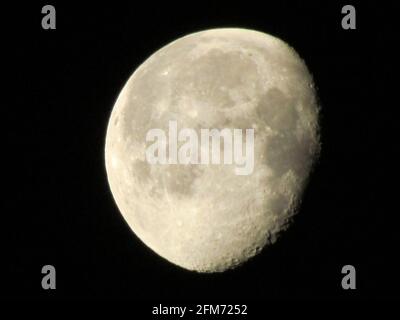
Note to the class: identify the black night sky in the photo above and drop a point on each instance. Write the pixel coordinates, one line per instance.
(56, 204)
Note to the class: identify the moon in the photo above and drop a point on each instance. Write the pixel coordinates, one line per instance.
(204, 217)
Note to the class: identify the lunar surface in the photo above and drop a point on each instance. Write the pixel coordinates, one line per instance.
(202, 217)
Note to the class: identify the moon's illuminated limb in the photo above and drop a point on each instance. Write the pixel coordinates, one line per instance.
(206, 218)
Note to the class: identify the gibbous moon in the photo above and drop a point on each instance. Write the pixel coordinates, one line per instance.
(205, 217)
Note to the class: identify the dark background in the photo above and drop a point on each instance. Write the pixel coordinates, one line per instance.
(56, 204)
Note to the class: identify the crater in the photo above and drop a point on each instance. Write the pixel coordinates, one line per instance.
(179, 179)
(277, 110)
(141, 170)
(285, 152)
